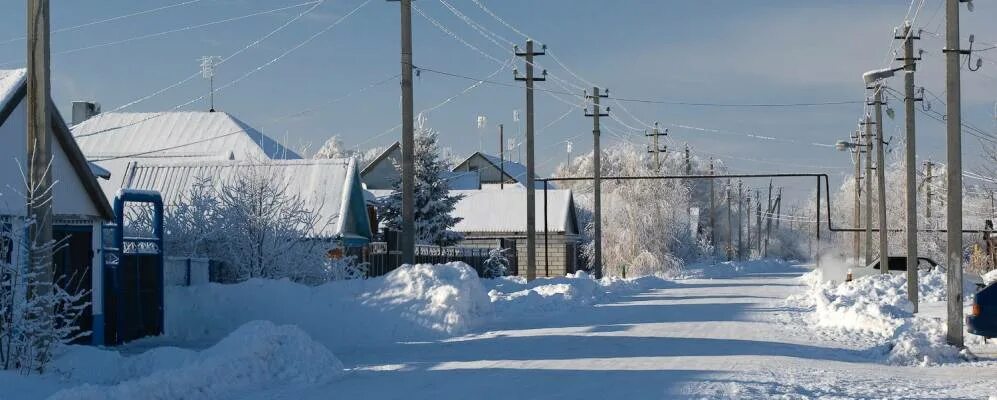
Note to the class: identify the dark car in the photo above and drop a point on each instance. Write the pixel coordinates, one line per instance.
(982, 320)
(899, 263)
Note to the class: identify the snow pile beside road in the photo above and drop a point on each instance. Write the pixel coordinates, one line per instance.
(877, 305)
(258, 355)
(513, 296)
(413, 302)
(738, 268)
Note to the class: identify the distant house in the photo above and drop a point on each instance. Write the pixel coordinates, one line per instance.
(79, 205)
(494, 172)
(381, 174)
(492, 218)
(112, 140)
(329, 187)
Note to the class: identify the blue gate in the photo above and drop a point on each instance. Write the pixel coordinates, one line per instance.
(133, 274)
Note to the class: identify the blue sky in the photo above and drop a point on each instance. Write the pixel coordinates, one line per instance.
(696, 51)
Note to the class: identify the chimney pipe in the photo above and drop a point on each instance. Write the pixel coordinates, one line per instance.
(84, 110)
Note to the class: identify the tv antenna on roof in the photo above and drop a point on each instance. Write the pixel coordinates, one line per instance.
(208, 64)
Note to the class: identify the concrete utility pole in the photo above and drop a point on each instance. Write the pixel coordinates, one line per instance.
(758, 222)
(501, 157)
(857, 207)
(655, 148)
(884, 250)
(927, 188)
(868, 190)
(740, 219)
(531, 207)
(730, 224)
(768, 221)
(597, 176)
(778, 209)
(39, 151)
(713, 211)
(910, 157)
(953, 88)
(407, 237)
(688, 161)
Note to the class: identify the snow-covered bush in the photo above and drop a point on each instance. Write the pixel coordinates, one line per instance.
(38, 311)
(498, 264)
(346, 268)
(434, 205)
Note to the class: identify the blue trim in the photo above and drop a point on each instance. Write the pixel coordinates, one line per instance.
(135, 196)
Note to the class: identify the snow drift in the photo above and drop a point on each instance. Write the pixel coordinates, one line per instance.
(877, 306)
(413, 302)
(257, 355)
(513, 296)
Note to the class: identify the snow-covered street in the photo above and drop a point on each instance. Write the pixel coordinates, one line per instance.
(725, 337)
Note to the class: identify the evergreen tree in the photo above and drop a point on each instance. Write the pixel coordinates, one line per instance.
(433, 202)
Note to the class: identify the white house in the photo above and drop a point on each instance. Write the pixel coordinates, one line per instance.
(491, 217)
(112, 140)
(330, 188)
(79, 206)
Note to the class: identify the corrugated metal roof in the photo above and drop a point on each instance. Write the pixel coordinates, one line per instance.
(175, 134)
(505, 211)
(322, 184)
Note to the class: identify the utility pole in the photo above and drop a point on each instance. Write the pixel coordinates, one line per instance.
(531, 207)
(868, 190)
(910, 166)
(688, 161)
(953, 196)
(758, 222)
(857, 207)
(597, 176)
(927, 188)
(768, 222)
(740, 220)
(730, 224)
(713, 210)
(501, 157)
(655, 148)
(884, 251)
(39, 151)
(778, 209)
(407, 236)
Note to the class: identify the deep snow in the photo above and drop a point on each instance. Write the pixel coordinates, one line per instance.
(434, 332)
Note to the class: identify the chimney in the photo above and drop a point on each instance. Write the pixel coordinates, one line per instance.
(84, 110)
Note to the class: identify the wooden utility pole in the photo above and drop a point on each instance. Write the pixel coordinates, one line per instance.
(407, 236)
(39, 147)
(953, 196)
(501, 157)
(910, 167)
(597, 176)
(656, 149)
(531, 207)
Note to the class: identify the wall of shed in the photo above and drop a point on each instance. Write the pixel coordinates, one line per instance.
(383, 174)
(488, 172)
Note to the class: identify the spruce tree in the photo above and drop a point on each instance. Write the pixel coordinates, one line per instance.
(434, 205)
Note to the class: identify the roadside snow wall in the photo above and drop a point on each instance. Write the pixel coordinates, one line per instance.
(413, 302)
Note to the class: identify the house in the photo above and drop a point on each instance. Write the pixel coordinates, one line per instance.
(79, 206)
(493, 171)
(381, 174)
(329, 187)
(491, 217)
(112, 140)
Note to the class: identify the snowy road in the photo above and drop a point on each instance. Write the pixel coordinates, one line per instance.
(732, 337)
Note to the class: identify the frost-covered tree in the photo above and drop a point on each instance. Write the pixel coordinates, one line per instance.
(333, 148)
(497, 265)
(434, 205)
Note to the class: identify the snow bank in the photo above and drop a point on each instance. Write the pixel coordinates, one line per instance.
(257, 355)
(737, 268)
(877, 305)
(513, 296)
(413, 302)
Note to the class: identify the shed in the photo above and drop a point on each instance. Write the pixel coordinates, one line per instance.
(381, 174)
(493, 171)
(79, 206)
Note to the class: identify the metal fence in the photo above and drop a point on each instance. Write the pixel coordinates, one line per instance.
(382, 259)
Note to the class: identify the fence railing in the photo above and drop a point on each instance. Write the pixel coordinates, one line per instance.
(382, 259)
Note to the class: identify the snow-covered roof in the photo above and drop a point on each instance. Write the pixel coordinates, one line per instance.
(76, 191)
(326, 186)
(175, 134)
(512, 169)
(505, 211)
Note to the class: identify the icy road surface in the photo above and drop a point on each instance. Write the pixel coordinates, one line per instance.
(726, 337)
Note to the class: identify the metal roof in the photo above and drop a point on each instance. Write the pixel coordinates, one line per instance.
(491, 210)
(326, 186)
